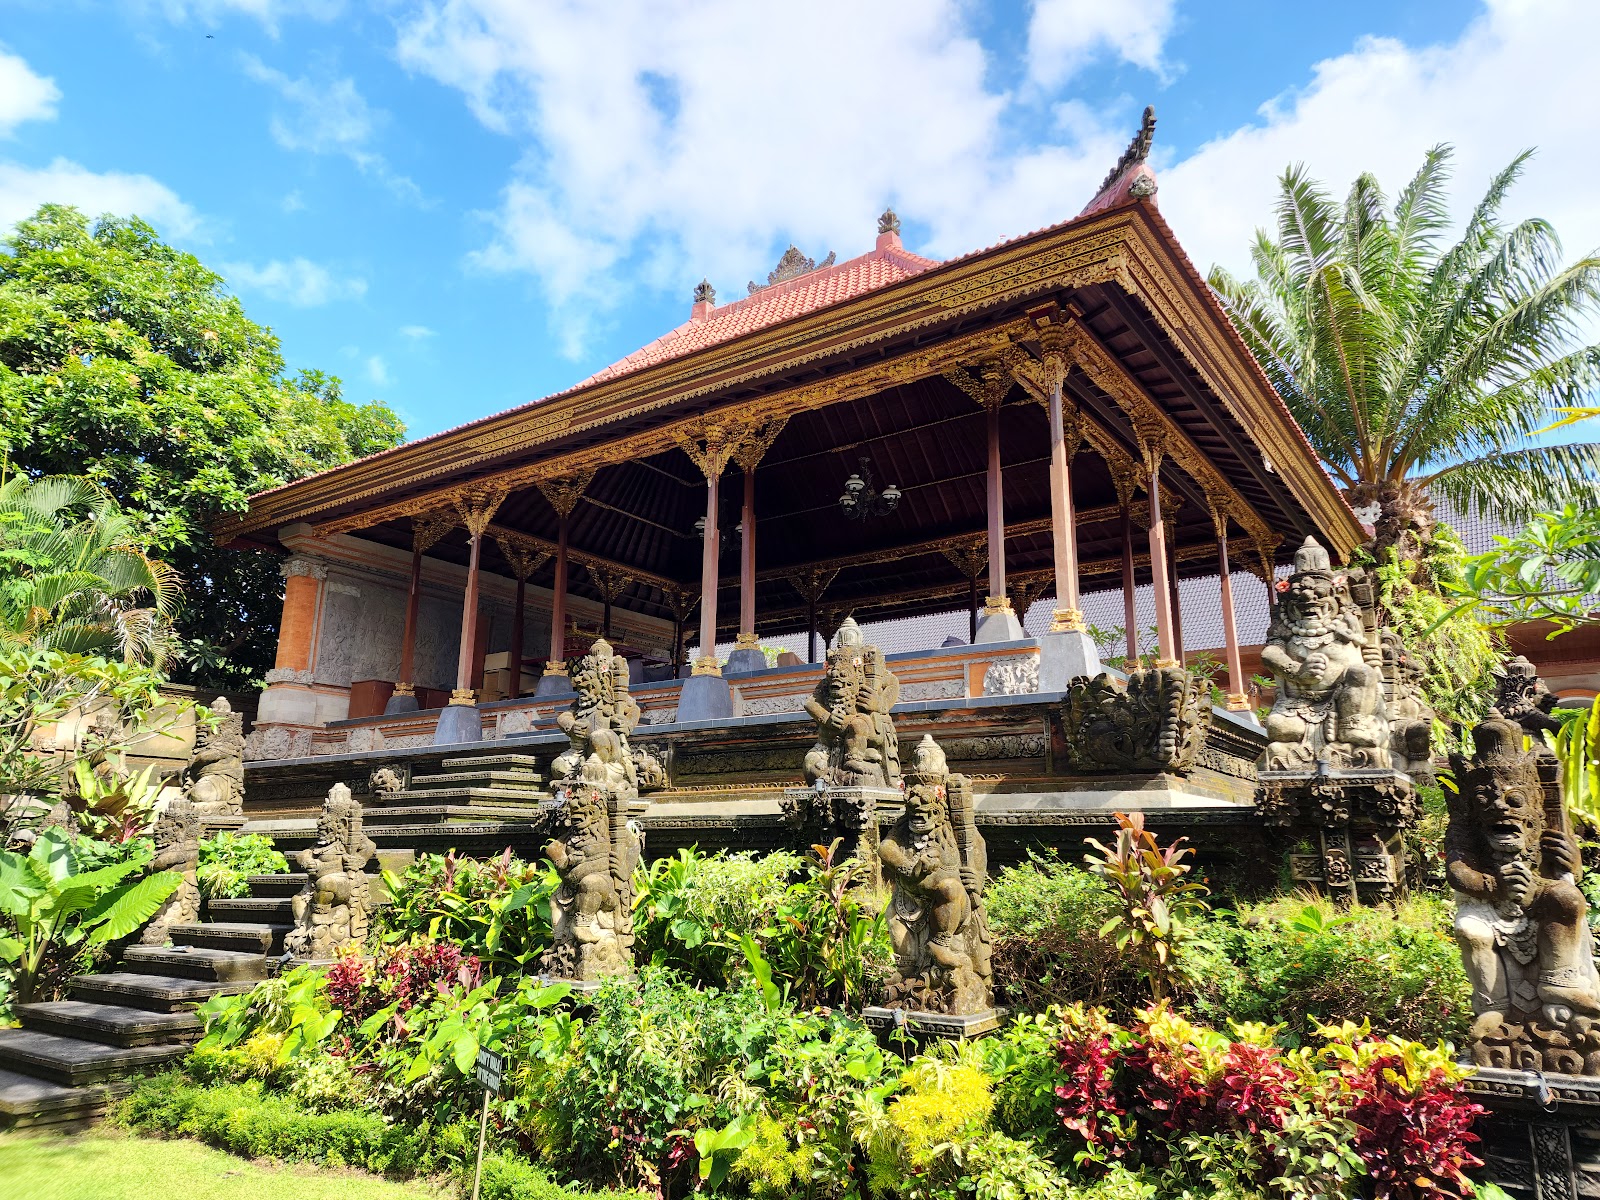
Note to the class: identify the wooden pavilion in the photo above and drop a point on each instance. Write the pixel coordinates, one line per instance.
(1065, 411)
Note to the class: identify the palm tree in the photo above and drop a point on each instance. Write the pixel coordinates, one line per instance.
(75, 576)
(1421, 370)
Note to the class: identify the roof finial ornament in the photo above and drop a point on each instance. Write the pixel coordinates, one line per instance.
(1130, 178)
(792, 265)
(889, 222)
(704, 293)
(1138, 149)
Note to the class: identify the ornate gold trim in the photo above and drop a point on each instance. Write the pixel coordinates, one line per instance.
(747, 641)
(1238, 702)
(564, 491)
(428, 529)
(707, 664)
(556, 666)
(1067, 620)
(464, 697)
(523, 559)
(994, 606)
(404, 689)
(477, 506)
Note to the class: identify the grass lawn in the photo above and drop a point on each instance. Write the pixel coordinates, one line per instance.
(107, 1165)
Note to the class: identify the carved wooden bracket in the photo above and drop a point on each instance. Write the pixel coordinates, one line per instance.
(428, 529)
(523, 559)
(988, 383)
(476, 507)
(811, 584)
(970, 556)
(564, 491)
(610, 582)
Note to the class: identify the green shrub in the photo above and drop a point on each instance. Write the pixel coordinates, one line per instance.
(1295, 961)
(510, 1177)
(247, 1120)
(1046, 917)
(692, 909)
(228, 860)
(497, 909)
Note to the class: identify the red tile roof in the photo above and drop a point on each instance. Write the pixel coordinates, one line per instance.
(887, 263)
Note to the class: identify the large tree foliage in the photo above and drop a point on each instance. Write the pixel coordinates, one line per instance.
(125, 360)
(75, 576)
(1418, 367)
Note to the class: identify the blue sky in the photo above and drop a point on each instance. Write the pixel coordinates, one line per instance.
(464, 205)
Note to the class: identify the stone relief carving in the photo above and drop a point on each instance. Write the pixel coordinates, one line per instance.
(278, 741)
(514, 722)
(366, 739)
(216, 769)
(856, 743)
(332, 912)
(290, 675)
(768, 706)
(1521, 920)
(934, 689)
(177, 838)
(1156, 721)
(385, 782)
(1012, 677)
(935, 862)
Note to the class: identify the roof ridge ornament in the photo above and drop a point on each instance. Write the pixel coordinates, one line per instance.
(1131, 178)
(889, 222)
(704, 293)
(792, 265)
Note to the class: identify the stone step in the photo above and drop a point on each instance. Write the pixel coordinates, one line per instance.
(158, 993)
(507, 780)
(284, 883)
(251, 910)
(491, 762)
(112, 1024)
(194, 962)
(73, 1062)
(28, 1102)
(461, 795)
(218, 935)
(440, 814)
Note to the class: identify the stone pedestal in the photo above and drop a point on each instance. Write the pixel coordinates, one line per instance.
(705, 698)
(400, 702)
(458, 723)
(926, 1027)
(1064, 657)
(1354, 821)
(1539, 1133)
(742, 662)
(553, 685)
(1001, 626)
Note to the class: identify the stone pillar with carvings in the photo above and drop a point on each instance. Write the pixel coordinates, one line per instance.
(988, 384)
(426, 531)
(288, 708)
(1066, 652)
(563, 495)
(460, 720)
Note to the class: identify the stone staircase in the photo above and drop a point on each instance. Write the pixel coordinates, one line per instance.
(476, 788)
(70, 1058)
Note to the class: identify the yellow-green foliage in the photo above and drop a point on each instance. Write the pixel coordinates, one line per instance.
(257, 1057)
(940, 1107)
(772, 1167)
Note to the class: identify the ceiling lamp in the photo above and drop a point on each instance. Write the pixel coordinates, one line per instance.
(859, 501)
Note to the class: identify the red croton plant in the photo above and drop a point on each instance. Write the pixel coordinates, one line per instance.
(1391, 1110)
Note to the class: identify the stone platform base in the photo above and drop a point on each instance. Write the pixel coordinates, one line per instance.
(924, 1027)
(1541, 1134)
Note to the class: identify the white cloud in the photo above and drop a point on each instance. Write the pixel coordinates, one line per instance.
(694, 138)
(24, 96)
(1519, 76)
(292, 202)
(298, 281)
(378, 371)
(23, 189)
(269, 12)
(1065, 35)
(329, 117)
(416, 333)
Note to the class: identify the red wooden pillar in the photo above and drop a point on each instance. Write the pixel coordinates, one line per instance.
(997, 518)
(1160, 587)
(1238, 701)
(1130, 594)
(1068, 615)
(465, 659)
(406, 684)
(556, 659)
(746, 639)
(707, 663)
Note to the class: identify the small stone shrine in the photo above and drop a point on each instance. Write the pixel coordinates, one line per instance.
(333, 909)
(177, 838)
(935, 863)
(594, 847)
(215, 774)
(1331, 779)
(854, 767)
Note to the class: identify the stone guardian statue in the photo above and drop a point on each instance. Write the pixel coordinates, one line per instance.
(177, 838)
(935, 863)
(333, 911)
(216, 771)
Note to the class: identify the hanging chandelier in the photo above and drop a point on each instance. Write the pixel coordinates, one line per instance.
(859, 501)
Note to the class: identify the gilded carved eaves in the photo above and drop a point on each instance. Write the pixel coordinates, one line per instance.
(564, 491)
(428, 529)
(524, 560)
